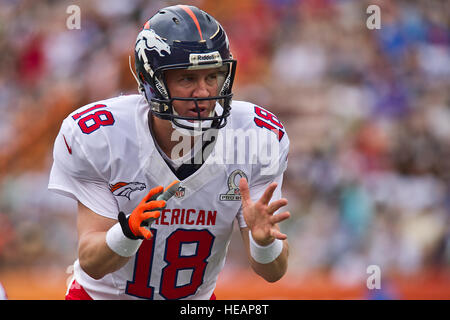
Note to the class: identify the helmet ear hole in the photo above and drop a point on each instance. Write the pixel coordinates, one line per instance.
(174, 19)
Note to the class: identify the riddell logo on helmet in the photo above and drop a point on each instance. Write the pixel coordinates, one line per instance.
(196, 58)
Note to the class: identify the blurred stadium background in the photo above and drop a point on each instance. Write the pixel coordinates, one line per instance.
(367, 111)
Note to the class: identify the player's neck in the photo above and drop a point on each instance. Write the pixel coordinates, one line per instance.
(163, 134)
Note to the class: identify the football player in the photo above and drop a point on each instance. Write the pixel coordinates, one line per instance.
(139, 240)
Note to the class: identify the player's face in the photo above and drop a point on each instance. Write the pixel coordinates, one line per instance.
(184, 83)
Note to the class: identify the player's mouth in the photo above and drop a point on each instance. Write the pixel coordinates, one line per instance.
(194, 112)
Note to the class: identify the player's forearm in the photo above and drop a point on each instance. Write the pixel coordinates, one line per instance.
(274, 270)
(96, 258)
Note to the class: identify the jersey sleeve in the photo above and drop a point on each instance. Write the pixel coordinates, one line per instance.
(272, 164)
(273, 161)
(75, 175)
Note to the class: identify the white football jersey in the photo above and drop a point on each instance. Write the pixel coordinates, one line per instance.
(106, 158)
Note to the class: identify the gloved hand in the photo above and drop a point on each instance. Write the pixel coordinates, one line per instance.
(148, 210)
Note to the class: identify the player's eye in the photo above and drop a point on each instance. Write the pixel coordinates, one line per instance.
(211, 79)
(186, 80)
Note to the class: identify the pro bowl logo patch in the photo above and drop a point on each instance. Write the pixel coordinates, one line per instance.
(124, 189)
(233, 193)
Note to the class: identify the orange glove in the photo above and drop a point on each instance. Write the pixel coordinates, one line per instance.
(148, 210)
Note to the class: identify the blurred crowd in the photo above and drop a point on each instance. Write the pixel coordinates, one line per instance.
(367, 112)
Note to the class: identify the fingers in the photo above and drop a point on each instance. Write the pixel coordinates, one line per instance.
(147, 234)
(154, 205)
(268, 193)
(153, 193)
(151, 215)
(277, 218)
(148, 210)
(159, 193)
(173, 186)
(134, 223)
(245, 192)
(169, 191)
(275, 205)
(137, 224)
(278, 235)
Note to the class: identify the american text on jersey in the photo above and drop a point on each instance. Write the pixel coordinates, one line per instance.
(187, 216)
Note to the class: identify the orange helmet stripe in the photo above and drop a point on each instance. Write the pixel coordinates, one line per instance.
(192, 15)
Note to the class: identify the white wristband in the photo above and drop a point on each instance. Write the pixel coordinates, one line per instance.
(119, 243)
(265, 254)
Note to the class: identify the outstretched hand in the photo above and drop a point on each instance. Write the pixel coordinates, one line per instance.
(259, 215)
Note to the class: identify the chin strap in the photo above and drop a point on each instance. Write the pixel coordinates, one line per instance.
(134, 75)
(197, 126)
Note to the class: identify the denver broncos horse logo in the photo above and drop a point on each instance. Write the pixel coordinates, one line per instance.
(149, 40)
(124, 189)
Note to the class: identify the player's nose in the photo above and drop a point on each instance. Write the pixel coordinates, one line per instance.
(201, 89)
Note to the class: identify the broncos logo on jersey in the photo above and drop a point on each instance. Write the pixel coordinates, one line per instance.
(124, 189)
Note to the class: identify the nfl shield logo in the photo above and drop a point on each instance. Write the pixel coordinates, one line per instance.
(180, 192)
